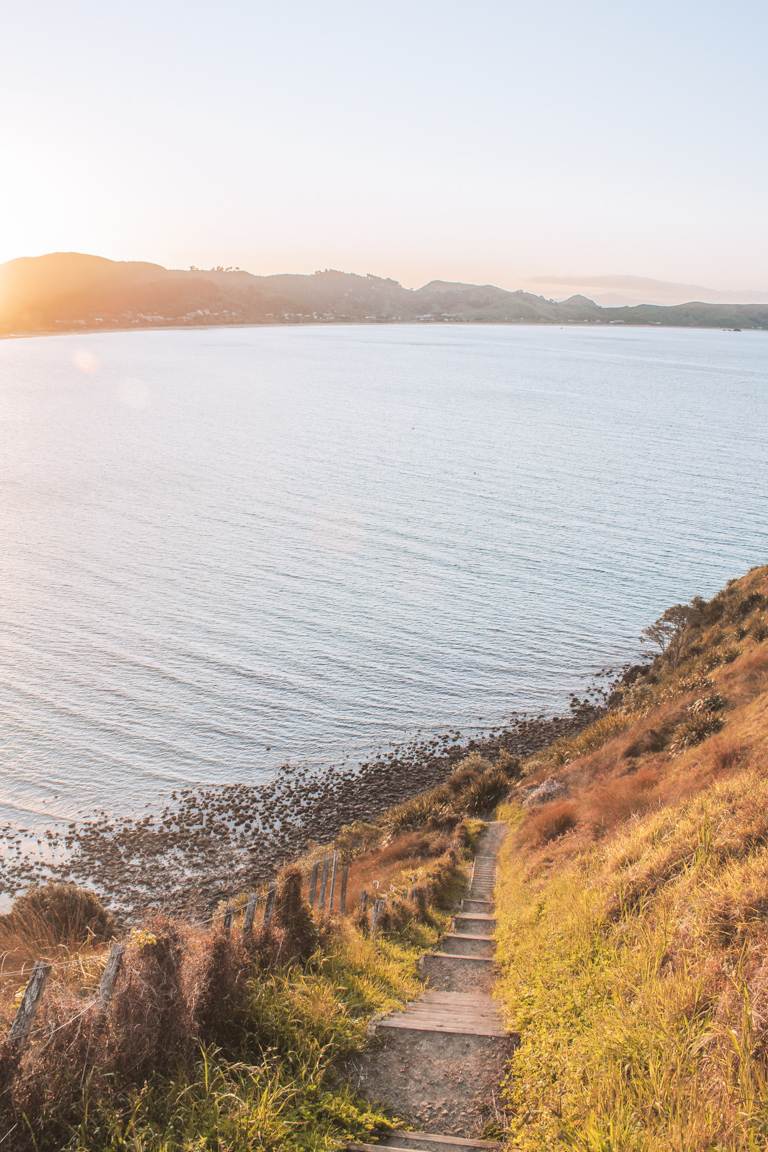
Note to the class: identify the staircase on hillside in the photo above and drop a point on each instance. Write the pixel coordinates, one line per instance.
(437, 1063)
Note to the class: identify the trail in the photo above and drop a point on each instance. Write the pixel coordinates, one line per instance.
(438, 1063)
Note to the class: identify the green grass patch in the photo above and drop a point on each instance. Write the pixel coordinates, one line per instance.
(283, 1091)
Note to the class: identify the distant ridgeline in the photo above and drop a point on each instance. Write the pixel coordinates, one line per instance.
(67, 291)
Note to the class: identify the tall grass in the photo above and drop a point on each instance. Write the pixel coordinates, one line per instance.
(214, 1042)
(282, 1092)
(638, 978)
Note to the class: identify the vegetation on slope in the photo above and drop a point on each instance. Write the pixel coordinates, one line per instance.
(67, 291)
(218, 1040)
(633, 904)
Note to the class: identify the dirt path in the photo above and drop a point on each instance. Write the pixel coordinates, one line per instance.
(438, 1063)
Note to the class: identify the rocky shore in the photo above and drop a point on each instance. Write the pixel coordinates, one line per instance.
(209, 843)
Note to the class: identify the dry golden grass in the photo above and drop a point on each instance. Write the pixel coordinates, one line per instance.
(634, 913)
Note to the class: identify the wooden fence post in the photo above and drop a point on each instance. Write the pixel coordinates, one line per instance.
(227, 921)
(323, 883)
(375, 915)
(343, 892)
(110, 974)
(248, 918)
(313, 884)
(333, 881)
(19, 1033)
(363, 900)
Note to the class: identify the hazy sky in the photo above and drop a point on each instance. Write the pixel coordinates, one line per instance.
(482, 141)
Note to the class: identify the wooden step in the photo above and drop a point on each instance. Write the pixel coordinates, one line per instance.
(445, 1012)
(463, 944)
(469, 905)
(434, 995)
(444, 1026)
(459, 956)
(426, 1142)
(477, 923)
(446, 1143)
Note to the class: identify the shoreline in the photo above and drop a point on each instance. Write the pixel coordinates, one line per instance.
(174, 326)
(205, 844)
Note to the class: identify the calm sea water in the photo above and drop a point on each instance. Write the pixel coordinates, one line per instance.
(224, 548)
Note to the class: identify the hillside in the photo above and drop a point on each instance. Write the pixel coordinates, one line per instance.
(64, 292)
(632, 949)
(633, 903)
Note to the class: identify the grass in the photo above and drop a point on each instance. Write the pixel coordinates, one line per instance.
(302, 1023)
(212, 1043)
(633, 912)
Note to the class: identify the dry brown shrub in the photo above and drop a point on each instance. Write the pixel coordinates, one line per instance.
(614, 800)
(148, 1025)
(485, 792)
(50, 915)
(466, 772)
(550, 822)
(651, 741)
(441, 879)
(396, 913)
(728, 754)
(383, 866)
(293, 918)
(214, 982)
(58, 1068)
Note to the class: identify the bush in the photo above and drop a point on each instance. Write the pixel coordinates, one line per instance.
(486, 792)
(53, 914)
(215, 988)
(293, 916)
(148, 1022)
(551, 822)
(699, 727)
(760, 631)
(654, 740)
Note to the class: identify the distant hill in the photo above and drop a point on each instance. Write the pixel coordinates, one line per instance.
(67, 291)
(617, 291)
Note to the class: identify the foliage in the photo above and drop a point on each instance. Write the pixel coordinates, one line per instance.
(633, 915)
(53, 914)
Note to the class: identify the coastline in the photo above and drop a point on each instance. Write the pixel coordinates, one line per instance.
(207, 843)
(176, 327)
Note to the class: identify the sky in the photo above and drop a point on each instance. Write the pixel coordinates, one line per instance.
(499, 142)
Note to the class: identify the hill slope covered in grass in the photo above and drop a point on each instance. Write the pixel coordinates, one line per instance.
(633, 904)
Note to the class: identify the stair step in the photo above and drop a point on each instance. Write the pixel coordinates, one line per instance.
(447, 1143)
(427, 1142)
(464, 944)
(458, 998)
(468, 905)
(443, 1026)
(462, 956)
(435, 1012)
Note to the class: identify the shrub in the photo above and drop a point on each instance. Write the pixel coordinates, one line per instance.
(654, 740)
(47, 1092)
(699, 727)
(760, 631)
(53, 914)
(486, 791)
(148, 1022)
(215, 979)
(293, 916)
(550, 822)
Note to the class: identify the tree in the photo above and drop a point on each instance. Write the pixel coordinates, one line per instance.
(669, 631)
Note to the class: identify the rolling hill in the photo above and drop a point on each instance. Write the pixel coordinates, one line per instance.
(68, 291)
